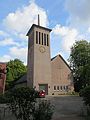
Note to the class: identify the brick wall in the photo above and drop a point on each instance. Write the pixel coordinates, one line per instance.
(2, 77)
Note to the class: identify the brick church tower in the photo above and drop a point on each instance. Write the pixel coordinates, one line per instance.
(39, 59)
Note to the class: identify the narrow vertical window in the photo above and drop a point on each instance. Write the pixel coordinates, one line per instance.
(36, 37)
(54, 87)
(39, 38)
(61, 87)
(66, 87)
(57, 87)
(47, 40)
(44, 39)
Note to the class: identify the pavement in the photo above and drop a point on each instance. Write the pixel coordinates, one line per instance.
(67, 107)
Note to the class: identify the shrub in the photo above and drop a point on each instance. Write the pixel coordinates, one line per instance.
(44, 110)
(85, 93)
(22, 102)
(4, 98)
(25, 105)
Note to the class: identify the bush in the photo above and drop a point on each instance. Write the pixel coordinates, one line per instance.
(85, 93)
(25, 105)
(22, 102)
(44, 110)
(4, 98)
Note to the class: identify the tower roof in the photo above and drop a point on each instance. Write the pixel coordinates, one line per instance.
(34, 25)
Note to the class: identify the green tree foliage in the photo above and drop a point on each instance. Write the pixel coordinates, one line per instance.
(80, 63)
(85, 93)
(15, 70)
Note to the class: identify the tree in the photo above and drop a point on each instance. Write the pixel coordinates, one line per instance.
(85, 93)
(80, 63)
(15, 70)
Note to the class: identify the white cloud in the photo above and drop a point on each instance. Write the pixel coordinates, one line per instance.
(21, 20)
(5, 58)
(17, 24)
(8, 41)
(88, 30)
(17, 52)
(23, 36)
(2, 33)
(67, 35)
(79, 12)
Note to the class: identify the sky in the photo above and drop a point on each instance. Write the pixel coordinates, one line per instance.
(68, 19)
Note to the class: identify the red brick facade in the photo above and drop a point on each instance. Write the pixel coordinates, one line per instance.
(2, 77)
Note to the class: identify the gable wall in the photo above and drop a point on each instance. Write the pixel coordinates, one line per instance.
(60, 74)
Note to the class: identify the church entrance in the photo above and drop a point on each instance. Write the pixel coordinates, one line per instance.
(44, 87)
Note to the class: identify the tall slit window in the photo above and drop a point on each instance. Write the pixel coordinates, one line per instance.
(66, 87)
(54, 87)
(57, 87)
(47, 40)
(36, 37)
(44, 39)
(39, 38)
(61, 87)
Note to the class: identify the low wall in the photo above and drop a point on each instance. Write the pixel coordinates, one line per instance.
(5, 113)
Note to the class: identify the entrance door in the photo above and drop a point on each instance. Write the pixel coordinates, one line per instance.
(44, 87)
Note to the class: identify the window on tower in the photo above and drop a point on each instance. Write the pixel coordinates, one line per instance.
(44, 39)
(36, 37)
(39, 38)
(47, 40)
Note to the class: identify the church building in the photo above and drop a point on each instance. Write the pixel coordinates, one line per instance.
(43, 73)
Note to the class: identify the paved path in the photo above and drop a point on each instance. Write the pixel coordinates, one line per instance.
(67, 108)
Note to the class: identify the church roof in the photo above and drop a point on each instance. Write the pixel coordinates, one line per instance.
(22, 79)
(62, 59)
(2, 62)
(38, 26)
